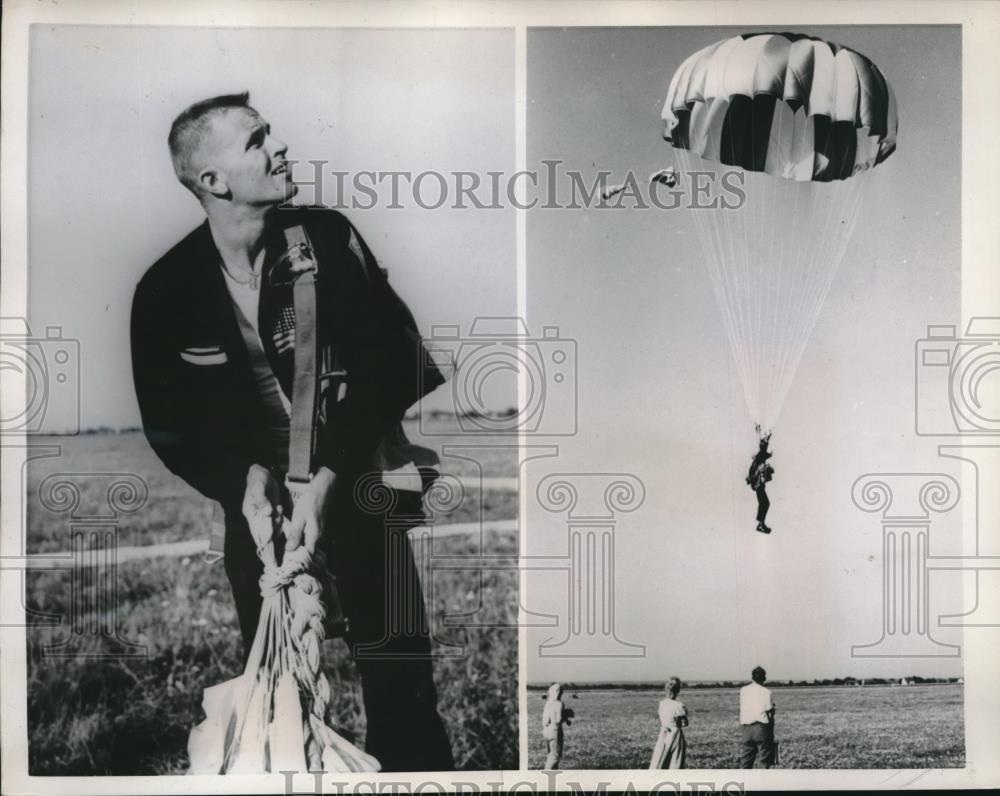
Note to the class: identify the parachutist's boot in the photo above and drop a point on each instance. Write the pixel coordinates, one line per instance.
(763, 528)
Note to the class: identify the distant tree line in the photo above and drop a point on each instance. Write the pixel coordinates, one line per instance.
(441, 414)
(433, 414)
(834, 681)
(108, 430)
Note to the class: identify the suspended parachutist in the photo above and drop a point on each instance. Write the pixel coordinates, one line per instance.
(759, 474)
(666, 177)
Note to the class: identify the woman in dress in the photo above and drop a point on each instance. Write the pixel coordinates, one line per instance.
(671, 748)
(553, 718)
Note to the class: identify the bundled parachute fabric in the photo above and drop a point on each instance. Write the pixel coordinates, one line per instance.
(273, 717)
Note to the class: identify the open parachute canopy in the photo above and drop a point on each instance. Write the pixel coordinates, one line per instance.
(804, 122)
(782, 103)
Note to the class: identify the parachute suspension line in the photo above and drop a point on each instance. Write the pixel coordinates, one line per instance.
(729, 281)
(796, 267)
(730, 287)
(735, 282)
(718, 250)
(817, 276)
(842, 214)
(807, 260)
(781, 200)
(771, 292)
(768, 290)
(803, 262)
(783, 284)
(749, 228)
(811, 275)
(766, 224)
(788, 195)
(739, 280)
(771, 266)
(711, 249)
(849, 213)
(751, 244)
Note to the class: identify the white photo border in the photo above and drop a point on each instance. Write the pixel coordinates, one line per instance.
(980, 23)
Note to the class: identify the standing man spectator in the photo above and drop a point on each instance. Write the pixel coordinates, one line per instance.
(757, 721)
(214, 361)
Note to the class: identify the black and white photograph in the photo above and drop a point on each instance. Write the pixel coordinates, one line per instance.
(745, 282)
(499, 397)
(237, 296)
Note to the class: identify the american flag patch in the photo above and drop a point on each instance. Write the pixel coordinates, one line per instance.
(285, 321)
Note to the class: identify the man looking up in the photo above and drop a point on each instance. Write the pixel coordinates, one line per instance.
(757, 721)
(213, 357)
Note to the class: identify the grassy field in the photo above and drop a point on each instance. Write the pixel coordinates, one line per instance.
(836, 727)
(127, 716)
(175, 512)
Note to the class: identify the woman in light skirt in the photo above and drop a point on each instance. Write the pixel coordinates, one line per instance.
(671, 748)
(553, 718)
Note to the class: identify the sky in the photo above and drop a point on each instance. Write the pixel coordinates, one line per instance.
(660, 399)
(105, 204)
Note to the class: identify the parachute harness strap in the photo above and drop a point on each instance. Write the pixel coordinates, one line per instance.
(292, 629)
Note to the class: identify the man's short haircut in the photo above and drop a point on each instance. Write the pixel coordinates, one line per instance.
(758, 674)
(673, 685)
(188, 130)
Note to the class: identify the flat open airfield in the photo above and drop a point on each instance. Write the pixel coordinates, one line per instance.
(916, 726)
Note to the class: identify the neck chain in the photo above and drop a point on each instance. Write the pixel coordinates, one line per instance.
(253, 278)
